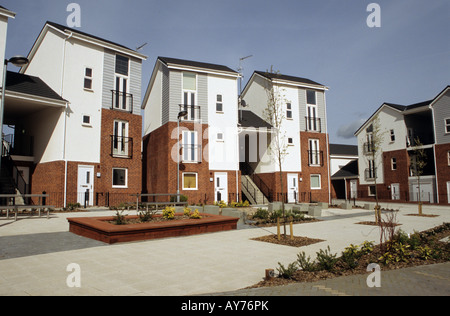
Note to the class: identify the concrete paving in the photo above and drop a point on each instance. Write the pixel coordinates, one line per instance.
(35, 254)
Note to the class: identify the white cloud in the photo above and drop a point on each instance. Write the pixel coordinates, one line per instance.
(348, 131)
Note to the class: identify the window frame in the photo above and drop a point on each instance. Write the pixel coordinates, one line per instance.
(447, 125)
(392, 135)
(320, 181)
(87, 124)
(289, 114)
(196, 181)
(219, 103)
(117, 186)
(394, 163)
(88, 78)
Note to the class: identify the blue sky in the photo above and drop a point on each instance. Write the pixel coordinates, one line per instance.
(406, 60)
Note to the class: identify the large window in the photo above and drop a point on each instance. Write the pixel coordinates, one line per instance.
(120, 178)
(447, 125)
(122, 65)
(312, 120)
(120, 140)
(122, 100)
(191, 149)
(314, 153)
(189, 97)
(190, 181)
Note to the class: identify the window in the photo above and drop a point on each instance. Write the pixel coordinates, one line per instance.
(86, 120)
(372, 190)
(311, 97)
(189, 181)
(290, 141)
(448, 157)
(120, 139)
(394, 163)
(120, 178)
(289, 110)
(88, 78)
(219, 103)
(392, 135)
(315, 182)
(447, 125)
(312, 121)
(219, 137)
(191, 150)
(189, 81)
(122, 65)
(314, 155)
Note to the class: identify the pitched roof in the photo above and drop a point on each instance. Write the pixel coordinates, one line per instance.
(343, 150)
(64, 28)
(287, 78)
(196, 64)
(350, 170)
(249, 119)
(30, 85)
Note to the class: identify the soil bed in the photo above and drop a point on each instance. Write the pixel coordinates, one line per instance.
(386, 224)
(439, 251)
(422, 215)
(295, 242)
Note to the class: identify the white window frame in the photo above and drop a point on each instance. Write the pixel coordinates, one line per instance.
(89, 124)
(369, 193)
(90, 78)
(122, 150)
(220, 137)
(219, 103)
(393, 163)
(392, 135)
(126, 179)
(320, 181)
(187, 141)
(196, 181)
(290, 141)
(289, 111)
(314, 149)
(447, 125)
(448, 157)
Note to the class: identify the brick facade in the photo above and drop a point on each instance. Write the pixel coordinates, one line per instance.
(397, 173)
(49, 177)
(160, 165)
(443, 172)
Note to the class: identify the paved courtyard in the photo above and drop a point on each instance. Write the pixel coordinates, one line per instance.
(35, 254)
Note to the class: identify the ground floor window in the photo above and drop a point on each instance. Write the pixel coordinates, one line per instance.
(372, 190)
(190, 181)
(315, 181)
(120, 178)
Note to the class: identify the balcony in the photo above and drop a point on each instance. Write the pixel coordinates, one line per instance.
(122, 101)
(194, 114)
(191, 153)
(370, 174)
(313, 124)
(121, 147)
(369, 148)
(315, 158)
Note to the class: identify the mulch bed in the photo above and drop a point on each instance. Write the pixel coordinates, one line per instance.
(287, 241)
(265, 223)
(432, 240)
(422, 215)
(378, 224)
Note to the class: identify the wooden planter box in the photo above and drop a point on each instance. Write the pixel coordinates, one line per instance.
(98, 228)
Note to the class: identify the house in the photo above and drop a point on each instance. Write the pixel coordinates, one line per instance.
(190, 140)
(82, 129)
(303, 130)
(5, 15)
(344, 171)
(389, 145)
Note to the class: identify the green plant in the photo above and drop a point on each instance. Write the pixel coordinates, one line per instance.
(187, 211)
(326, 260)
(350, 256)
(221, 204)
(261, 214)
(183, 198)
(287, 273)
(305, 263)
(146, 215)
(168, 212)
(119, 219)
(397, 252)
(425, 252)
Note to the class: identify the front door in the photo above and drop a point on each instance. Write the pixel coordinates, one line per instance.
(395, 191)
(85, 185)
(353, 189)
(221, 187)
(292, 180)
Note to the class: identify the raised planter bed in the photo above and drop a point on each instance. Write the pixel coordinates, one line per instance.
(99, 228)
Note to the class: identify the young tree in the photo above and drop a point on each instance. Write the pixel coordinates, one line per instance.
(275, 115)
(418, 161)
(373, 149)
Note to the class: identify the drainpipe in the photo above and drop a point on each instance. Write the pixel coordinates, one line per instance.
(327, 146)
(65, 116)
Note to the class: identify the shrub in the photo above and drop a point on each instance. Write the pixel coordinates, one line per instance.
(187, 211)
(261, 214)
(119, 219)
(146, 216)
(221, 204)
(183, 198)
(326, 260)
(350, 256)
(169, 212)
(305, 263)
(195, 215)
(287, 273)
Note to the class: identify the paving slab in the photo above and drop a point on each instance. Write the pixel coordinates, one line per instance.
(35, 254)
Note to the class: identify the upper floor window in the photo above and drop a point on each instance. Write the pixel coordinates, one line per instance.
(219, 103)
(393, 163)
(88, 78)
(289, 110)
(122, 65)
(189, 81)
(311, 97)
(312, 120)
(392, 135)
(447, 125)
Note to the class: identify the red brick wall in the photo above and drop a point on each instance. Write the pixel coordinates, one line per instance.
(400, 175)
(442, 171)
(160, 168)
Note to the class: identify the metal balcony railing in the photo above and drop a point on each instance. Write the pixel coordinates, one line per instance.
(191, 153)
(315, 158)
(193, 113)
(313, 124)
(122, 101)
(370, 173)
(121, 147)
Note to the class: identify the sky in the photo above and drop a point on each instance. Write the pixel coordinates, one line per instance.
(405, 60)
